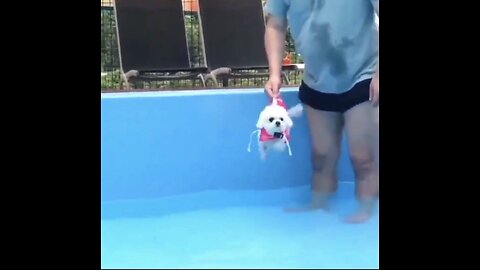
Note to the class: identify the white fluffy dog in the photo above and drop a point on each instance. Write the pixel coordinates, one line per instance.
(274, 124)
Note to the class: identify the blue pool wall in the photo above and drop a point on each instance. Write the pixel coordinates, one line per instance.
(158, 144)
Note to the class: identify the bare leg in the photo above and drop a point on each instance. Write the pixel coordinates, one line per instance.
(325, 132)
(361, 123)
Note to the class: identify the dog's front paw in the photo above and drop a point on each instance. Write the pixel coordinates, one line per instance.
(263, 155)
(263, 151)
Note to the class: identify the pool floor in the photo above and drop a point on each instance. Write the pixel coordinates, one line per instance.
(242, 237)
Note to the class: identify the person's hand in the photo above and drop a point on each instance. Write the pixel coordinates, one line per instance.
(374, 90)
(272, 87)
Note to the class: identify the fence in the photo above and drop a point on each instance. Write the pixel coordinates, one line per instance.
(110, 67)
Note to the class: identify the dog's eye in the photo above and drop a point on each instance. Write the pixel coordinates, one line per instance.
(281, 118)
(270, 119)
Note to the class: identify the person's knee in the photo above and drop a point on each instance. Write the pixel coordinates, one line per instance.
(363, 162)
(323, 160)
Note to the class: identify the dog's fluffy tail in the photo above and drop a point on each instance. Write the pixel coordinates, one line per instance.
(296, 111)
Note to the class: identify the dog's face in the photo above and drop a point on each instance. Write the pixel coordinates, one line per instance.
(274, 118)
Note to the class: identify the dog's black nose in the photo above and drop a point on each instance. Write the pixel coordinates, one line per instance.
(277, 123)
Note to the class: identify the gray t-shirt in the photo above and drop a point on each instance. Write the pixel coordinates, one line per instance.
(338, 39)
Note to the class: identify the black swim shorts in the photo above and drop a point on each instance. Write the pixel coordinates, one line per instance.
(341, 103)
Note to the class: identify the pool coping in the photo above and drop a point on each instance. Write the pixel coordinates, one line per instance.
(178, 93)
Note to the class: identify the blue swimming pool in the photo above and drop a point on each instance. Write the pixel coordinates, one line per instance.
(180, 190)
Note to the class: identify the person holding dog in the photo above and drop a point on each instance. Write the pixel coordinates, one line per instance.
(338, 40)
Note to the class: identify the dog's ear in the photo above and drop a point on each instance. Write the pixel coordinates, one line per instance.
(261, 120)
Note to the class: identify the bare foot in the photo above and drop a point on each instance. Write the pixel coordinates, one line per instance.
(305, 209)
(364, 212)
(319, 202)
(359, 217)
